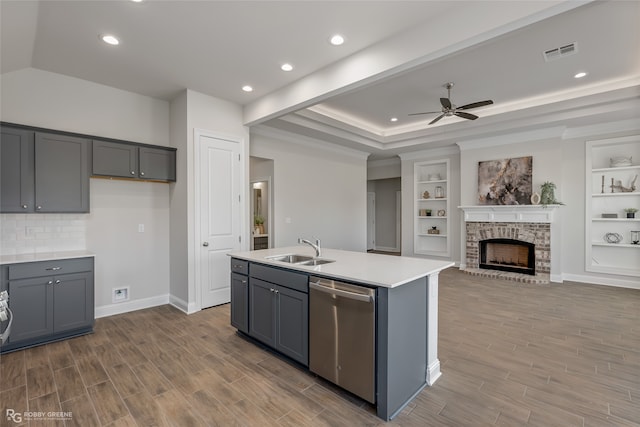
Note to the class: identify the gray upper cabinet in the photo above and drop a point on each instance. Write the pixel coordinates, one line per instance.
(115, 159)
(43, 172)
(125, 160)
(16, 170)
(62, 173)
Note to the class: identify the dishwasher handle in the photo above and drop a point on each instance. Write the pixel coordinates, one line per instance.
(339, 292)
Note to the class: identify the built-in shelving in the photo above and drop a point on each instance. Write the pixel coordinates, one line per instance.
(601, 256)
(431, 187)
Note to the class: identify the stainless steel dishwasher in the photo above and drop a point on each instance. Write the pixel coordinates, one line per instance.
(342, 335)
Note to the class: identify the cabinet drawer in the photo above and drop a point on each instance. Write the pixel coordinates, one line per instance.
(239, 266)
(290, 279)
(50, 268)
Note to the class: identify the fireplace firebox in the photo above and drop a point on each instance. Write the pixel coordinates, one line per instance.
(508, 255)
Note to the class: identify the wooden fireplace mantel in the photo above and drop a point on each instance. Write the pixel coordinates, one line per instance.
(509, 213)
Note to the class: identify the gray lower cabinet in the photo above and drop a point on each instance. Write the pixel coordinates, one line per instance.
(50, 300)
(124, 160)
(240, 295)
(279, 310)
(43, 173)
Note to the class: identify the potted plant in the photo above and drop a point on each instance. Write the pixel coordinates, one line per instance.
(547, 194)
(631, 212)
(258, 221)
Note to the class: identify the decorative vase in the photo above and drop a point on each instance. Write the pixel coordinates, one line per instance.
(631, 214)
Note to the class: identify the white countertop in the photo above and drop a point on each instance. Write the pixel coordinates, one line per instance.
(388, 271)
(44, 256)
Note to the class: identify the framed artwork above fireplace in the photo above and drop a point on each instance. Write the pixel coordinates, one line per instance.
(505, 181)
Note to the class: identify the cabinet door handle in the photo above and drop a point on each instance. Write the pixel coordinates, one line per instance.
(141, 173)
(271, 290)
(243, 281)
(276, 291)
(133, 172)
(57, 282)
(54, 268)
(24, 206)
(50, 282)
(38, 208)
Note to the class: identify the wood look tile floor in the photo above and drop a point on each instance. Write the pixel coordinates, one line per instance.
(512, 354)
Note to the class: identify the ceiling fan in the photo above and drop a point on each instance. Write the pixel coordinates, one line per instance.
(449, 109)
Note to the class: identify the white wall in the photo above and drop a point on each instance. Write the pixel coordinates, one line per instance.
(319, 190)
(190, 111)
(123, 256)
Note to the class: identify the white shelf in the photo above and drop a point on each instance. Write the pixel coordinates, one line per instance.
(622, 219)
(617, 245)
(635, 193)
(423, 243)
(622, 168)
(602, 257)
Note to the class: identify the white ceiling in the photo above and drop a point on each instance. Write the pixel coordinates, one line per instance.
(397, 57)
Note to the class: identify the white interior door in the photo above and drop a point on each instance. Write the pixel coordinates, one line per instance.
(220, 176)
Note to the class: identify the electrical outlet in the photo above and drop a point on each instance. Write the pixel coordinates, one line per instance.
(120, 294)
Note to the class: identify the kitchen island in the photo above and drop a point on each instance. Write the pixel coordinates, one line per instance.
(270, 301)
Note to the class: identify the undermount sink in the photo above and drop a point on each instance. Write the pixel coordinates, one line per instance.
(299, 259)
(292, 259)
(317, 261)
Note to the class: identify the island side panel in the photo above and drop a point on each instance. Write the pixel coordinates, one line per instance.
(433, 363)
(401, 345)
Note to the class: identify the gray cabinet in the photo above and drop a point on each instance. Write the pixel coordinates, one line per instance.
(50, 300)
(16, 170)
(43, 172)
(61, 173)
(127, 160)
(239, 295)
(279, 310)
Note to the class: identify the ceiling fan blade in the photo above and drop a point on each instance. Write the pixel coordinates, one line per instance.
(446, 103)
(436, 119)
(428, 112)
(465, 115)
(475, 105)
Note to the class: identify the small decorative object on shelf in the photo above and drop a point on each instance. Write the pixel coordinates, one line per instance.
(433, 230)
(439, 192)
(547, 194)
(631, 212)
(434, 177)
(424, 212)
(425, 195)
(602, 191)
(613, 238)
(609, 215)
(620, 161)
(635, 237)
(617, 185)
(535, 199)
(442, 212)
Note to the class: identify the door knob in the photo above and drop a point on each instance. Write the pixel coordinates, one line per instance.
(205, 244)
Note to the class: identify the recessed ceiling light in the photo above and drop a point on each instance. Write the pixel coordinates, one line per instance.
(247, 88)
(336, 40)
(137, 1)
(109, 39)
(394, 119)
(580, 75)
(286, 67)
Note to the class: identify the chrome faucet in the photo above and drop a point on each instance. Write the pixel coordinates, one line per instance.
(316, 246)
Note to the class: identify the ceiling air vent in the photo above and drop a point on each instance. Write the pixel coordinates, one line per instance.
(560, 52)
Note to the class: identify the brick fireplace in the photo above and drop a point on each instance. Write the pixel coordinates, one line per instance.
(509, 242)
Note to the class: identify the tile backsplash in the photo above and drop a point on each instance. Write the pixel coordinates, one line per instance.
(37, 233)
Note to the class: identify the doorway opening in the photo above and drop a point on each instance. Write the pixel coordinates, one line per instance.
(261, 191)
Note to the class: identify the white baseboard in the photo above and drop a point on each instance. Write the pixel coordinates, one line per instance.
(133, 305)
(606, 281)
(386, 249)
(182, 305)
(433, 372)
